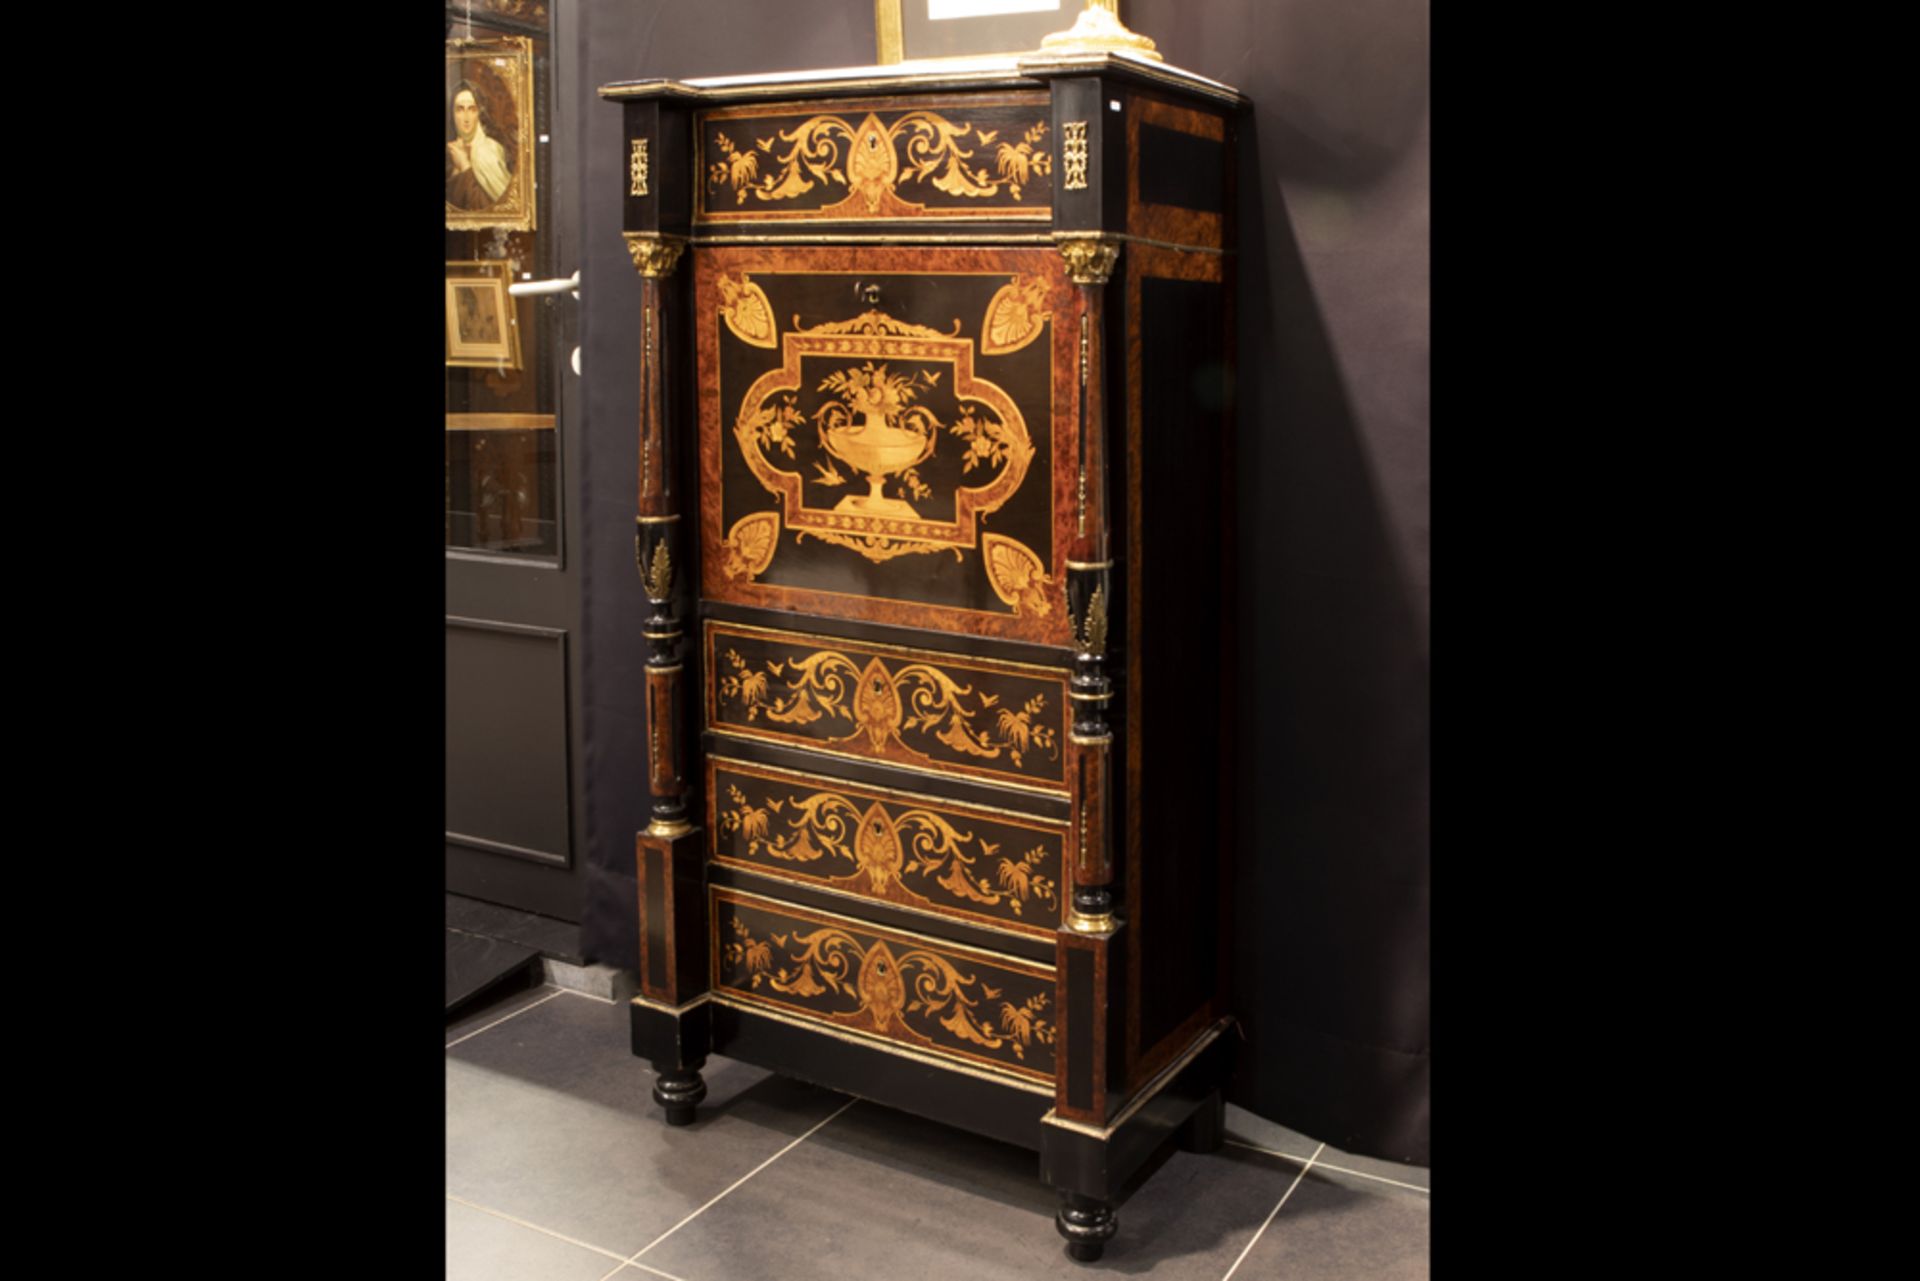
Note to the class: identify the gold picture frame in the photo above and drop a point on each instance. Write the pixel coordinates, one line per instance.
(489, 146)
(907, 31)
(483, 331)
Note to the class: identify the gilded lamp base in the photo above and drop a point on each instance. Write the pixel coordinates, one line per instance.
(1098, 30)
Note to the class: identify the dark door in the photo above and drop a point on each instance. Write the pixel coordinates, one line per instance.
(513, 436)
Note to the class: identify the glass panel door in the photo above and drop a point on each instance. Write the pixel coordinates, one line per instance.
(503, 452)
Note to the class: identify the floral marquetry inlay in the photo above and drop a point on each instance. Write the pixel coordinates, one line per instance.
(889, 986)
(857, 389)
(876, 163)
(907, 853)
(828, 689)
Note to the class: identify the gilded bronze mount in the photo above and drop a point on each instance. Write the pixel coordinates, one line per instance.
(654, 255)
(1089, 259)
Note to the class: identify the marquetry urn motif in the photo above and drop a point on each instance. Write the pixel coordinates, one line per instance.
(868, 422)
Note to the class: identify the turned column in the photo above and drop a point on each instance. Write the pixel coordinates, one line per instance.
(671, 924)
(658, 544)
(1089, 262)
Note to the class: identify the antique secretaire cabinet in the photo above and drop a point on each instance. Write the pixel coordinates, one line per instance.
(935, 464)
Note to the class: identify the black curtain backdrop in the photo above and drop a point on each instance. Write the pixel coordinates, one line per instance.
(1331, 952)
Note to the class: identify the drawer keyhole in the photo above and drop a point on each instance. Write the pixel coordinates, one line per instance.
(869, 294)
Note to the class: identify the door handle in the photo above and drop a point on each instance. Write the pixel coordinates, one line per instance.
(536, 288)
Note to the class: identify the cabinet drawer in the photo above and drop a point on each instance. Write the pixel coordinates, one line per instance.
(994, 868)
(953, 1001)
(923, 710)
(890, 434)
(939, 159)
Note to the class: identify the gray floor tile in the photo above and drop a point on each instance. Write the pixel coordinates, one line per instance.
(550, 1119)
(496, 1010)
(477, 965)
(880, 1193)
(1419, 1176)
(1262, 1133)
(541, 933)
(482, 1247)
(1342, 1228)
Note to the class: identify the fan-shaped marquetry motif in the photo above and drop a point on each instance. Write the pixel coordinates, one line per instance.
(1015, 317)
(1017, 575)
(744, 306)
(750, 544)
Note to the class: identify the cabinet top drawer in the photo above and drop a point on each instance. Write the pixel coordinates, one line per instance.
(940, 159)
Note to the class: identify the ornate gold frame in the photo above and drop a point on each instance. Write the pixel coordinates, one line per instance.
(513, 56)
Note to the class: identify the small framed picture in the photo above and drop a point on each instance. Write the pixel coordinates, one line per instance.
(489, 160)
(481, 329)
(910, 30)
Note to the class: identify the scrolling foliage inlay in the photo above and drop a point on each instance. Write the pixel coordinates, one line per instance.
(912, 994)
(877, 851)
(821, 692)
(874, 161)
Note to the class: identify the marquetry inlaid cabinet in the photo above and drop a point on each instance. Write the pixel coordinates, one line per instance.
(936, 450)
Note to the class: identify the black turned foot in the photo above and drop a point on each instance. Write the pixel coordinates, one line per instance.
(1206, 1129)
(1086, 1224)
(678, 1092)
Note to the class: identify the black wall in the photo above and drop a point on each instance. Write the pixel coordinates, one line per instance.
(1333, 585)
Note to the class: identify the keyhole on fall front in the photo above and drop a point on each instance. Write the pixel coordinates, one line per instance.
(870, 294)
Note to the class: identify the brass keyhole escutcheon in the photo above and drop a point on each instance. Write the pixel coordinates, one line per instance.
(869, 294)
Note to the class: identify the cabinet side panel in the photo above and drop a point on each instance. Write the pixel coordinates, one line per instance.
(1174, 699)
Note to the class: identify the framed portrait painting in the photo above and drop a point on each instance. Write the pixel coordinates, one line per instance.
(489, 153)
(910, 30)
(481, 329)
